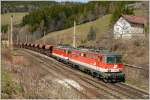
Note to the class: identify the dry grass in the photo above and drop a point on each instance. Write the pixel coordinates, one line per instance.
(134, 52)
(6, 54)
(5, 18)
(10, 89)
(33, 81)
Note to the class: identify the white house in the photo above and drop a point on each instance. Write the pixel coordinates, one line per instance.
(129, 26)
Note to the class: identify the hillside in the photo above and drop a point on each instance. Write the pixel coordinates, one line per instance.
(23, 6)
(62, 16)
(59, 17)
(5, 18)
(101, 25)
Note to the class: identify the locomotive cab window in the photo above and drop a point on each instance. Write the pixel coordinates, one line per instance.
(113, 59)
(110, 60)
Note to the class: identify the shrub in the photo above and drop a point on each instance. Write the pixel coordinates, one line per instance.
(83, 41)
(92, 34)
(9, 88)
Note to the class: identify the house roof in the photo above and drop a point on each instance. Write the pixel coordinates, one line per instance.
(135, 19)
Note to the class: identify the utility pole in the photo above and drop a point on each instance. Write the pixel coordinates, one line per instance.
(11, 34)
(8, 36)
(17, 39)
(74, 36)
(11, 42)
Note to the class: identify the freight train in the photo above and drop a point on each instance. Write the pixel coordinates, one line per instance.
(99, 63)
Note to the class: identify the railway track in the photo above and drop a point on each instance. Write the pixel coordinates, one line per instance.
(98, 88)
(52, 72)
(114, 88)
(99, 94)
(89, 94)
(134, 90)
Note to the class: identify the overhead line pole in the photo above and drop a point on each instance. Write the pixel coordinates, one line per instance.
(44, 37)
(26, 38)
(8, 36)
(74, 36)
(17, 39)
(11, 41)
(11, 34)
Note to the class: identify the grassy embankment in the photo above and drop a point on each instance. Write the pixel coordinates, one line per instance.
(9, 88)
(101, 25)
(65, 36)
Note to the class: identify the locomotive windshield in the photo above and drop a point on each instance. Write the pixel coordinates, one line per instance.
(113, 59)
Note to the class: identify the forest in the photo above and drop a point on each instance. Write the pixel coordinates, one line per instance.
(61, 16)
(45, 17)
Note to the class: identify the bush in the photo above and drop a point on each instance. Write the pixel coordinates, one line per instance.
(4, 28)
(83, 41)
(9, 88)
(92, 34)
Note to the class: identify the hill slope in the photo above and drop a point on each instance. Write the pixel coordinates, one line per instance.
(129, 49)
(5, 18)
(65, 36)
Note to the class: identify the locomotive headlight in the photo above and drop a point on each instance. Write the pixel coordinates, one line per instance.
(115, 66)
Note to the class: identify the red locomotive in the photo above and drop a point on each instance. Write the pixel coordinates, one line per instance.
(102, 64)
